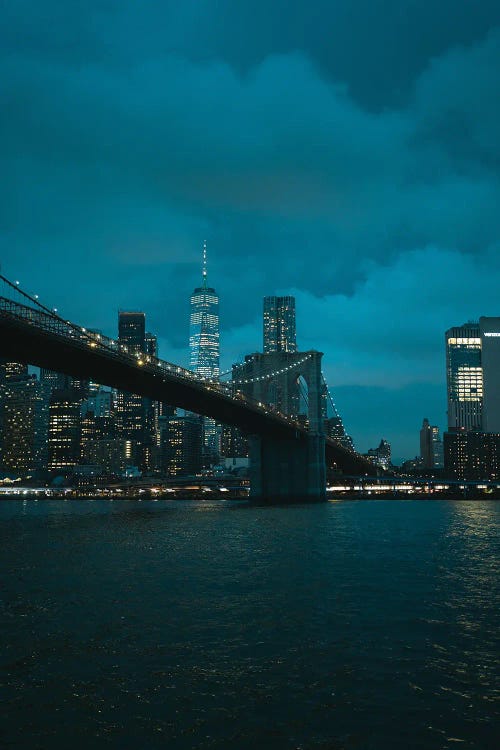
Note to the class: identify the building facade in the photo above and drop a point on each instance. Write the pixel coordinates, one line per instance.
(204, 328)
(473, 380)
(64, 437)
(204, 352)
(490, 359)
(464, 377)
(181, 444)
(279, 325)
(24, 414)
(472, 455)
(431, 446)
(381, 455)
(131, 408)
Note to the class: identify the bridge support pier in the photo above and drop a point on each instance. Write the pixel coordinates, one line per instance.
(284, 471)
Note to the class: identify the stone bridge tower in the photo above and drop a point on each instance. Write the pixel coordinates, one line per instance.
(286, 469)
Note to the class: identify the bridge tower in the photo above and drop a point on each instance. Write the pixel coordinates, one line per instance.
(286, 469)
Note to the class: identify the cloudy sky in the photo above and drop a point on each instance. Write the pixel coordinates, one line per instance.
(345, 151)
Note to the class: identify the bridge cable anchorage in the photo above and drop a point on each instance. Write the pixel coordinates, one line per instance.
(51, 321)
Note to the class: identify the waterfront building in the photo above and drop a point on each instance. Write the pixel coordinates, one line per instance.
(437, 448)
(473, 379)
(152, 410)
(490, 359)
(233, 443)
(464, 377)
(181, 443)
(279, 325)
(426, 445)
(131, 408)
(64, 434)
(95, 427)
(334, 428)
(381, 455)
(431, 446)
(204, 351)
(24, 414)
(472, 455)
(108, 453)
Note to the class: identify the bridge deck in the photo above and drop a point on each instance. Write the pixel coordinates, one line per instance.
(38, 338)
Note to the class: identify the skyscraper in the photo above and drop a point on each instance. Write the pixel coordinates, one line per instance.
(279, 325)
(24, 413)
(464, 376)
(132, 331)
(130, 407)
(431, 446)
(490, 360)
(64, 430)
(204, 350)
(204, 327)
(472, 443)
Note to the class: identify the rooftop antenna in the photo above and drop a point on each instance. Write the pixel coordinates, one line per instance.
(204, 272)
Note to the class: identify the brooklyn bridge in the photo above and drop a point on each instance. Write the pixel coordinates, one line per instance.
(288, 456)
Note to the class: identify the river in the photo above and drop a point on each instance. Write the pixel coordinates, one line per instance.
(198, 624)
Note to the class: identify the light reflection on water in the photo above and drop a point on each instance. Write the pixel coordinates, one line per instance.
(218, 625)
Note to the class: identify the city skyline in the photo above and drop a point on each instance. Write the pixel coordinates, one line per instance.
(365, 185)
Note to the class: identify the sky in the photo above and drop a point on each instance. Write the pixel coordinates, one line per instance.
(344, 151)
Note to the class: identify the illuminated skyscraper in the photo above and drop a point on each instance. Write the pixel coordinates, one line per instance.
(490, 360)
(472, 443)
(204, 350)
(24, 413)
(131, 408)
(64, 430)
(431, 446)
(464, 376)
(204, 328)
(279, 325)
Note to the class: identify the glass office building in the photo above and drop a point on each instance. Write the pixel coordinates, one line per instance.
(279, 325)
(464, 377)
(204, 351)
(204, 328)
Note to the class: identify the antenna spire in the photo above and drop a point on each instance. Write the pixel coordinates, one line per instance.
(204, 270)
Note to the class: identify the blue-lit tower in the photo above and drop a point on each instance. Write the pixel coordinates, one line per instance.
(204, 328)
(204, 351)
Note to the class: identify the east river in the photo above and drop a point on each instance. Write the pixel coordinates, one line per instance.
(194, 624)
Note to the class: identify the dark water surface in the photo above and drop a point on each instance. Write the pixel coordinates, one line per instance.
(176, 624)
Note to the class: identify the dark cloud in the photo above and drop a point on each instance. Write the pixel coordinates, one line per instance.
(347, 153)
(376, 47)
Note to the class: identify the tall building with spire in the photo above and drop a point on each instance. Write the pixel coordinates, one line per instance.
(204, 327)
(204, 349)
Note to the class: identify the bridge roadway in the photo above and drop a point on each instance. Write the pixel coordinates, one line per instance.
(25, 341)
